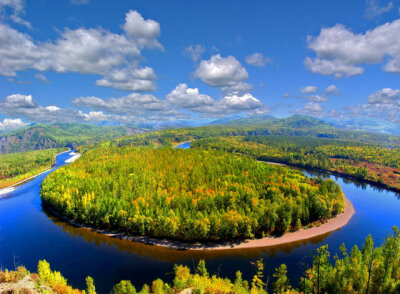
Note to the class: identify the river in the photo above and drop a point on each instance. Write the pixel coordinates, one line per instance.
(28, 233)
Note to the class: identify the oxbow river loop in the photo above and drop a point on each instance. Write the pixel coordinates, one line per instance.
(29, 233)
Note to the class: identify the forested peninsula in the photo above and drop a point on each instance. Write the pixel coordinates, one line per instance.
(188, 195)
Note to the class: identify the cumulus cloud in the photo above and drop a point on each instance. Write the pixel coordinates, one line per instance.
(195, 52)
(89, 51)
(337, 68)
(130, 79)
(221, 71)
(258, 59)
(144, 32)
(146, 106)
(238, 88)
(385, 96)
(190, 98)
(139, 106)
(382, 104)
(309, 90)
(232, 104)
(42, 78)
(11, 124)
(310, 93)
(332, 90)
(311, 108)
(23, 106)
(244, 102)
(340, 52)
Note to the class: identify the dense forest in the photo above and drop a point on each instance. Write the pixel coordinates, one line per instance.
(369, 269)
(364, 161)
(15, 167)
(188, 195)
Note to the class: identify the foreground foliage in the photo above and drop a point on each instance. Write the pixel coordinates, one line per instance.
(15, 167)
(188, 194)
(370, 269)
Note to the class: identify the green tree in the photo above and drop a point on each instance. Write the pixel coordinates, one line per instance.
(124, 287)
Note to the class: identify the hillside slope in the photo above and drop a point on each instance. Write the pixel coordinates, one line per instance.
(44, 136)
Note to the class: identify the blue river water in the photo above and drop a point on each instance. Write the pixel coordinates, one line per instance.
(29, 233)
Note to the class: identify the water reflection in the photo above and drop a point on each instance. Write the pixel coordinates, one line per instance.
(171, 255)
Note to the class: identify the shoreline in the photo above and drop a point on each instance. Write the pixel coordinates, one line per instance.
(12, 187)
(331, 225)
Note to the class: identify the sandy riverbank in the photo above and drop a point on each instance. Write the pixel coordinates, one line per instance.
(304, 234)
(74, 157)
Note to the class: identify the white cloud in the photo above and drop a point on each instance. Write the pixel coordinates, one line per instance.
(309, 90)
(130, 79)
(184, 97)
(89, 51)
(258, 59)
(336, 68)
(42, 78)
(23, 106)
(96, 116)
(190, 99)
(374, 8)
(311, 108)
(244, 102)
(195, 52)
(238, 88)
(317, 98)
(133, 105)
(385, 96)
(17, 6)
(219, 71)
(332, 90)
(144, 32)
(382, 104)
(53, 108)
(340, 52)
(232, 104)
(11, 124)
(17, 51)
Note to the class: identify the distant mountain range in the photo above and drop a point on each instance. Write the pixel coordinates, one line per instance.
(43, 136)
(369, 125)
(359, 124)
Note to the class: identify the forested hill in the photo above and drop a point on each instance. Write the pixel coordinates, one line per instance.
(295, 121)
(44, 136)
(296, 126)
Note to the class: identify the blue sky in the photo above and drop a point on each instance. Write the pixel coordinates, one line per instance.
(135, 61)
